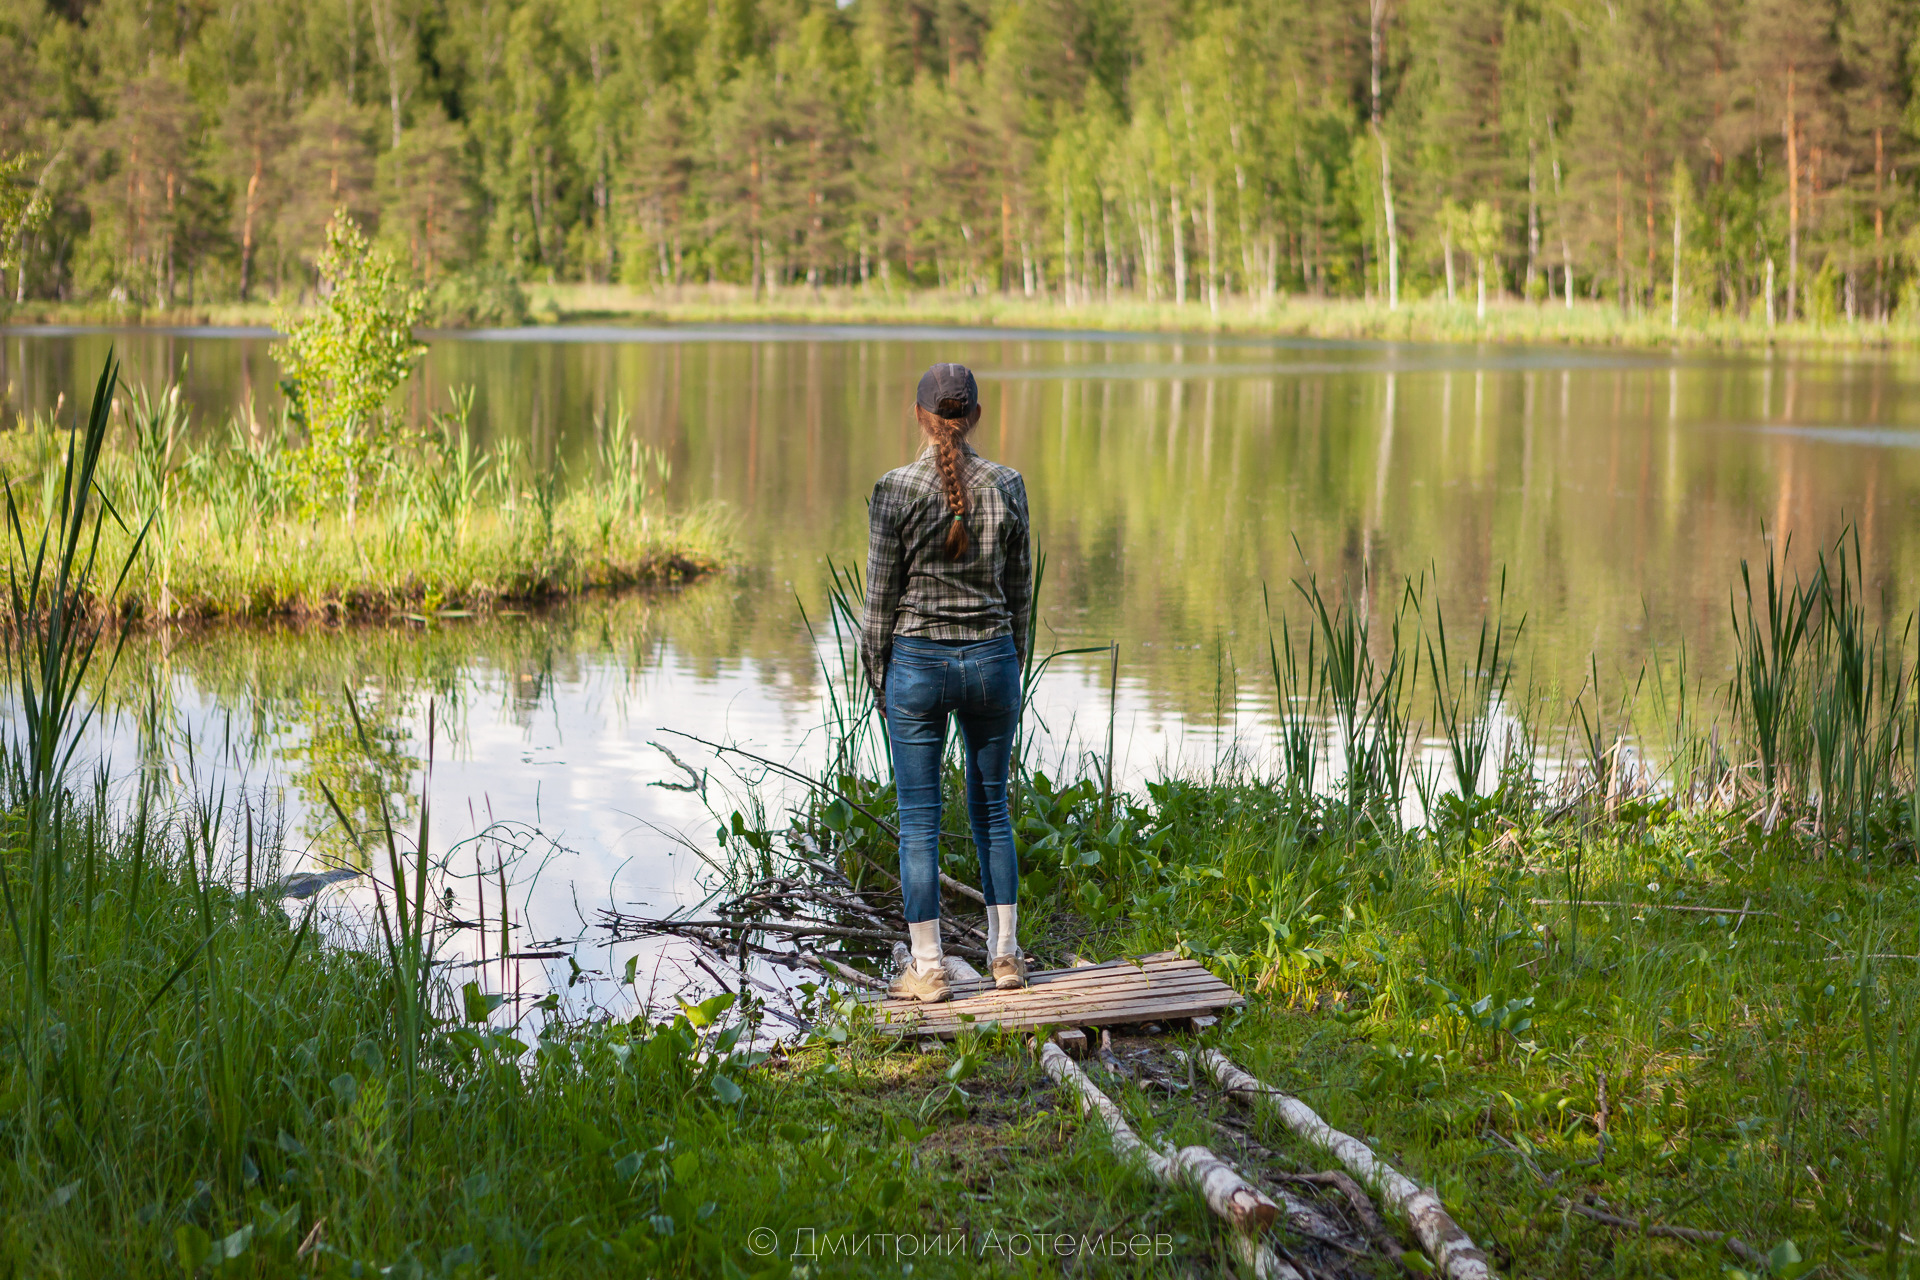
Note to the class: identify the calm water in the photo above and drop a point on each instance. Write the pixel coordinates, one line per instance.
(1173, 483)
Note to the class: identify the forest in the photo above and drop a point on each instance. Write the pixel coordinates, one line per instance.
(1665, 156)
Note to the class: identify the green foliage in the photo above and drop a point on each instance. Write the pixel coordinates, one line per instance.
(1100, 149)
(23, 208)
(343, 361)
(482, 297)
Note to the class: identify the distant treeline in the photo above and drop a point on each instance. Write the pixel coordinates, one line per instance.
(1750, 155)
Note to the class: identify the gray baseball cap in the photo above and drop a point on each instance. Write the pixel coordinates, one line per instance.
(948, 391)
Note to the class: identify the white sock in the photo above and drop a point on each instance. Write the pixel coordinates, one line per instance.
(926, 947)
(1003, 938)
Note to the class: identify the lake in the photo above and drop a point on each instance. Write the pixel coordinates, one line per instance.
(1180, 486)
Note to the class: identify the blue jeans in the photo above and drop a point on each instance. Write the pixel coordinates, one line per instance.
(979, 685)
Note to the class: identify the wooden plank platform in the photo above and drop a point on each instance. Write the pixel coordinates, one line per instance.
(1155, 988)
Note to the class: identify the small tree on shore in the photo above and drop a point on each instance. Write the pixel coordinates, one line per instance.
(343, 361)
(23, 208)
(1483, 242)
(1453, 227)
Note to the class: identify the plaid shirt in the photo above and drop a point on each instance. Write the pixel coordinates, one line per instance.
(914, 590)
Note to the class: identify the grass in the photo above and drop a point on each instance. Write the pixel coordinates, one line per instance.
(1698, 1068)
(1425, 319)
(446, 525)
(197, 1082)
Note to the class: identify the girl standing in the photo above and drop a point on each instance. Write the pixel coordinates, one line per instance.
(949, 584)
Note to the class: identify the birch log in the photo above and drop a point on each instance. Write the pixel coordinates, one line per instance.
(1263, 1262)
(1228, 1194)
(1451, 1249)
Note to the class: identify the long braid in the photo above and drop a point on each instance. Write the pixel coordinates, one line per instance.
(946, 435)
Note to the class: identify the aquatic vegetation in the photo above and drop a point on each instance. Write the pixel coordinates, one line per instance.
(442, 524)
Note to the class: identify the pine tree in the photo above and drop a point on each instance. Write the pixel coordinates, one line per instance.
(1786, 64)
(1874, 37)
(256, 134)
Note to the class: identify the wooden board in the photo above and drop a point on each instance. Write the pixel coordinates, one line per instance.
(1153, 988)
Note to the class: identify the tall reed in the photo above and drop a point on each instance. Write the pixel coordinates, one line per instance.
(1856, 687)
(1366, 698)
(1299, 696)
(407, 928)
(51, 642)
(1767, 638)
(1465, 702)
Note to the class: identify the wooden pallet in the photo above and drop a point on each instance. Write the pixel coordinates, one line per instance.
(1155, 988)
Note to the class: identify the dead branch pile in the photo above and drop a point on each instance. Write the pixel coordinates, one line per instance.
(791, 918)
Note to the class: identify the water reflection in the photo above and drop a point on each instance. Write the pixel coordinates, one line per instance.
(555, 721)
(1177, 484)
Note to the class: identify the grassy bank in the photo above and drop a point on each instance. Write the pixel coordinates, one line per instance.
(1434, 319)
(1701, 1045)
(441, 525)
(200, 1085)
(1586, 323)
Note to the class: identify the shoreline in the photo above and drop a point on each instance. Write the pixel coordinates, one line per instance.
(377, 604)
(1508, 322)
(1543, 975)
(295, 575)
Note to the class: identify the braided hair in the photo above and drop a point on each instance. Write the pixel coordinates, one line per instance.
(946, 433)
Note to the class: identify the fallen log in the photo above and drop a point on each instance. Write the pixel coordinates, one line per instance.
(1227, 1194)
(1263, 1262)
(1306, 1219)
(1451, 1249)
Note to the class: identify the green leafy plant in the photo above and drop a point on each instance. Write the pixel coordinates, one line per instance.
(344, 359)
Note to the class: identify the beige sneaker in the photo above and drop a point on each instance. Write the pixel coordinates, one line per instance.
(1010, 973)
(929, 988)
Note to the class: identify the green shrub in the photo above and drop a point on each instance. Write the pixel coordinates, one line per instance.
(481, 297)
(343, 361)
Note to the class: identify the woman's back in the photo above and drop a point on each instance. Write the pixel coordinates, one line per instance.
(915, 588)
